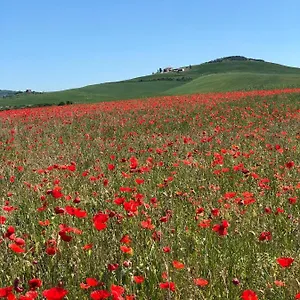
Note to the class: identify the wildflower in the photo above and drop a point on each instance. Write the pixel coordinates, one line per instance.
(168, 286)
(249, 295)
(200, 282)
(285, 262)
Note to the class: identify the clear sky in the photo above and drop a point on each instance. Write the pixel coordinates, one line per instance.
(59, 44)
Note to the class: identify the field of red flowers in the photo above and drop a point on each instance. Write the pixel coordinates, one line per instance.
(190, 197)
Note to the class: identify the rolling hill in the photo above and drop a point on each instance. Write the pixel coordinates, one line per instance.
(4, 93)
(226, 74)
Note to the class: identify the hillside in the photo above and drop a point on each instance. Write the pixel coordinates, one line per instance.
(224, 82)
(4, 93)
(226, 74)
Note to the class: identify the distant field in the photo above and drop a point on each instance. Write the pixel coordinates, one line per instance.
(207, 77)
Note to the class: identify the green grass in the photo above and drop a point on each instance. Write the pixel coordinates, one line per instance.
(225, 67)
(207, 77)
(236, 81)
(95, 93)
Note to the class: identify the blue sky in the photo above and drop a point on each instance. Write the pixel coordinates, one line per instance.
(60, 44)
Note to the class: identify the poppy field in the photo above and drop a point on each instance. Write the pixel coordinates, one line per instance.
(177, 197)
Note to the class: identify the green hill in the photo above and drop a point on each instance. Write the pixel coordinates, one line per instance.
(226, 74)
(223, 82)
(4, 93)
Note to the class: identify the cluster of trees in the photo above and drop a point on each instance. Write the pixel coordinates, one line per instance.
(172, 78)
(234, 58)
(6, 94)
(65, 103)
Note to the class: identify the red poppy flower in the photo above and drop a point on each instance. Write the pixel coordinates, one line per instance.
(56, 192)
(178, 264)
(100, 220)
(131, 206)
(126, 249)
(87, 247)
(168, 286)
(30, 295)
(249, 295)
(139, 181)
(55, 293)
(112, 267)
(72, 168)
(200, 282)
(119, 200)
(65, 237)
(51, 250)
(285, 261)
(164, 219)
(133, 163)
(125, 189)
(229, 195)
(77, 212)
(92, 281)
(279, 283)
(9, 232)
(156, 236)
(100, 226)
(6, 291)
(59, 210)
(100, 294)
(204, 223)
(111, 167)
(19, 241)
(138, 279)
(16, 248)
(292, 200)
(147, 224)
(125, 239)
(221, 229)
(117, 291)
(265, 236)
(44, 223)
(35, 283)
(80, 213)
(215, 212)
(166, 249)
(289, 164)
(279, 210)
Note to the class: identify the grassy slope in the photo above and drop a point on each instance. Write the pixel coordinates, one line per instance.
(95, 93)
(224, 76)
(5, 92)
(236, 81)
(228, 66)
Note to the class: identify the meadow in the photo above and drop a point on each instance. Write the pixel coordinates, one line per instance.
(173, 197)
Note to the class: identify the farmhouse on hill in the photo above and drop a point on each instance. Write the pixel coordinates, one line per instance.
(178, 70)
(167, 69)
(171, 69)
